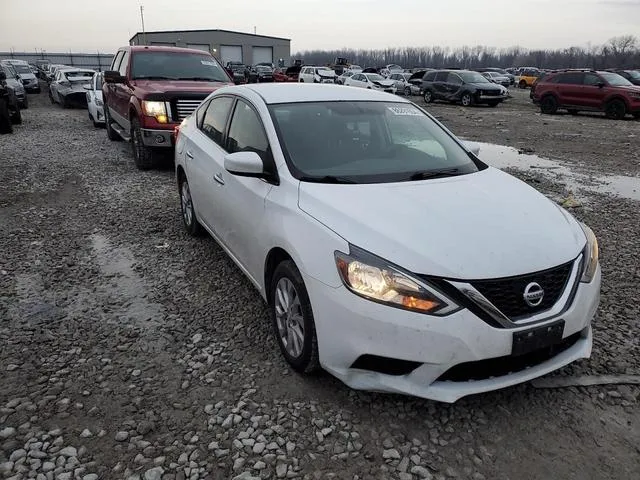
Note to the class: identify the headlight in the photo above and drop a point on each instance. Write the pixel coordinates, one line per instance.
(634, 95)
(590, 254)
(380, 281)
(155, 109)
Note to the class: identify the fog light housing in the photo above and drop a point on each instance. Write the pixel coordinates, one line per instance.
(159, 139)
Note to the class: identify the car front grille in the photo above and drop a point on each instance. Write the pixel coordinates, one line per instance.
(185, 107)
(507, 294)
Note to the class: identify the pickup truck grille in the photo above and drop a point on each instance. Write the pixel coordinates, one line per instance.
(185, 107)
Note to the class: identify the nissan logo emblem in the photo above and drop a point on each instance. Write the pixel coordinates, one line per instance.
(533, 294)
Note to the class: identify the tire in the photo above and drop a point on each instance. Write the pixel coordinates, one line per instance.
(615, 109)
(16, 118)
(297, 322)
(191, 224)
(636, 115)
(572, 111)
(111, 133)
(493, 104)
(549, 105)
(5, 118)
(522, 84)
(428, 96)
(467, 99)
(144, 157)
(25, 105)
(51, 98)
(407, 91)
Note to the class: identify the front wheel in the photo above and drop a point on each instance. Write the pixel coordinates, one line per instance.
(466, 99)
(522, 84)
(407, 91)
(616, 109)
(549, 105)
(144, 157)
(292, 318)
(428, 96)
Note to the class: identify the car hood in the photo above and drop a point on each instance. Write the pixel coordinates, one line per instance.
(477, 226)
(27, 76)
(166, 86)
(326, 74)
(385, 83)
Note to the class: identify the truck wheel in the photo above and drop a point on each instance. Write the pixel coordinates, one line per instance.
(5, 119)
(16, 118)
(111, 133)
(143, 156)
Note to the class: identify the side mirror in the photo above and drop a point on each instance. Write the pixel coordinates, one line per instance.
(112, 76)
(600, 85)
(245, 164)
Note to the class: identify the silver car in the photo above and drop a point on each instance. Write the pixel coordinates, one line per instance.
(27, 77)
(401, 82)
(68, 87)
(13, 80)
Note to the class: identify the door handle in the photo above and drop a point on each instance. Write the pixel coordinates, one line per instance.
(218, 178)
(189, 154)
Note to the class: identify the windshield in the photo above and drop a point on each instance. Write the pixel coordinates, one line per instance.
(177, 66)
(472, 77)
(11, 72)
(21, 68)
(366, 142)
(634, 74)
(616, 80)
(374, 77)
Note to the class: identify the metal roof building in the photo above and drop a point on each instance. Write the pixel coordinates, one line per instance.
(226, 45)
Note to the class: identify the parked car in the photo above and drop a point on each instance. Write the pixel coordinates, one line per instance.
(149, 90)
(26, 76)
(501, 71)
(317, 75)
(632, 75)
(302, 186)
(371, 81)
(355, 68)
(12, 80)
(53, 69)
(403, 84)
(261, 74)
(95, 105)
(9, 105)
(528, 76)
(68, 87)
(462, 86)
(289, 75)
(342, 78)
(389, 69)
(495, 77)
(598, 91)
(238, 71)
(43, 66)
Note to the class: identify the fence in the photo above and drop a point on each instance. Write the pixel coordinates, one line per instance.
(96, 61)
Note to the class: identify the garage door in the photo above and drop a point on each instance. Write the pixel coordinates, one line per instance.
(262, 55)
(230, 53)
(199, 46)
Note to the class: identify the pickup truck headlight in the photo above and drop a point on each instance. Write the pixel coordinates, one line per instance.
(591, 255)
(375, 279)
(155, 109)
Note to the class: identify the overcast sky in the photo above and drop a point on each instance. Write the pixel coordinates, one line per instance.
(90, 25)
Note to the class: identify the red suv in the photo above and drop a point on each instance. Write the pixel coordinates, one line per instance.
(149, 90)
(577, 90)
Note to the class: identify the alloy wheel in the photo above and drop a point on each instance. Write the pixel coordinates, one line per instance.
(186, 203)
(289, 317)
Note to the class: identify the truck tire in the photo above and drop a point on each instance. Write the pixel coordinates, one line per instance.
(111, 133)
(144, 157)
(16, 118)
(5, 119)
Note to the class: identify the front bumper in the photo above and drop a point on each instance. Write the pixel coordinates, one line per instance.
(490, 98)
(157, 138)
(349, 327)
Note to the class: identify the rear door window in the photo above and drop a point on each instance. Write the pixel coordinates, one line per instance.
(215, 119)
(442, 76)
(454, 79)
(572, 78)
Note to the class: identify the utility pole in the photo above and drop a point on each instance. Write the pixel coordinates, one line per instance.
(254, 30)
(144, 35)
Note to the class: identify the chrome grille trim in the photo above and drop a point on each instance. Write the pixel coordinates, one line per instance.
(184, 108)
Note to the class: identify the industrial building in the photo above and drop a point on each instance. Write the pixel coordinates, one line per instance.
(226, 45)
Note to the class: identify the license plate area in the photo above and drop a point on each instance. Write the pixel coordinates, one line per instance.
(537, 338)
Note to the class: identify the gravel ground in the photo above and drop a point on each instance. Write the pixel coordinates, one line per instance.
(130, 350)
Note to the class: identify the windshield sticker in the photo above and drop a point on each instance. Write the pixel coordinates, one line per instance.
(207, 62)
(410, 111)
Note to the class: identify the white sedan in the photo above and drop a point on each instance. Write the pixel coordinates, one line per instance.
(95, 105)
(372, 81)
(383, 246)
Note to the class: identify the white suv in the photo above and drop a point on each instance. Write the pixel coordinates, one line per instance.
(317, 75)
(387, 252)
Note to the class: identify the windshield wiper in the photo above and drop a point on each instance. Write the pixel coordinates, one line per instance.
(443, 172)
(326, 179)
(199, 79)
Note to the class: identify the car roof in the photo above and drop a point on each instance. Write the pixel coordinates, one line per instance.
(272, 93)
(164, 48)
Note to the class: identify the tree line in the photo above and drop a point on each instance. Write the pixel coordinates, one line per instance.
(618, 52)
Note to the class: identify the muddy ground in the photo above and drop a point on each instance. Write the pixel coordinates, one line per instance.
(130, 350)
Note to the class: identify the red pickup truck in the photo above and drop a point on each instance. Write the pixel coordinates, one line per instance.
(149, 90)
